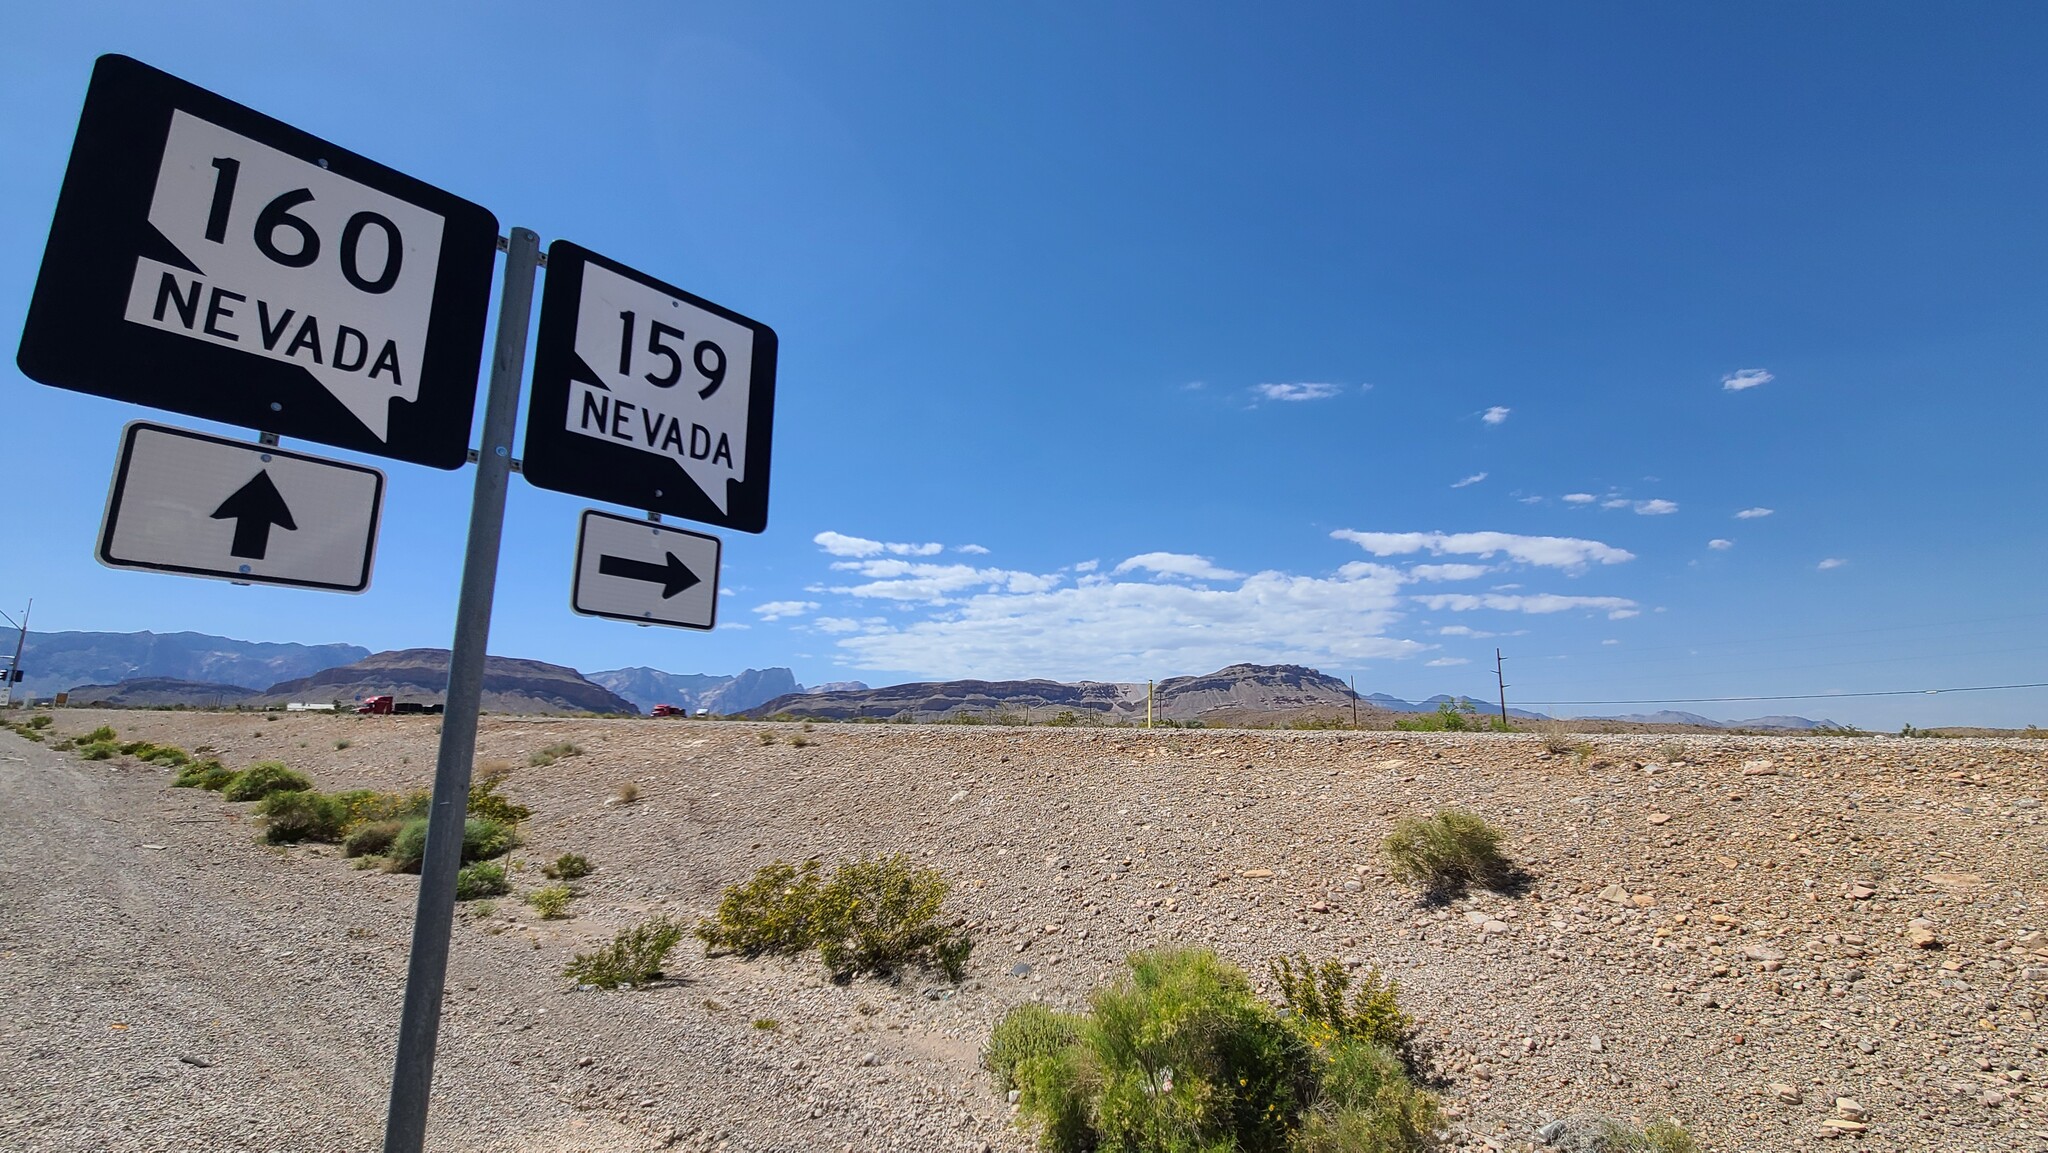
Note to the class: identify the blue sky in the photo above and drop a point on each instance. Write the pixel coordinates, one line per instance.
(1679, 353)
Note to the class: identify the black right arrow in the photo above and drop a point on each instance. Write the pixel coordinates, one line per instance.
(254, 508)
(673, 577)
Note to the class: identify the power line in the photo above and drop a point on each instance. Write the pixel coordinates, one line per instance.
(1801, 696)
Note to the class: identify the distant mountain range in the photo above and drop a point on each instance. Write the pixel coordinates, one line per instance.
(647, 688)
(1233, 694)
(153, 670)
(56, 662)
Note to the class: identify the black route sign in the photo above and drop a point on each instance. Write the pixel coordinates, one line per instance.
(647, 396)
(210, 260)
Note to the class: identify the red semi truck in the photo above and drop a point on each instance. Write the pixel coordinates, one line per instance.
(380, 706)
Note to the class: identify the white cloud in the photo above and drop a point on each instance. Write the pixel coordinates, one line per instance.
(1753, 513)
(1624, 614)
(1462, 631)
(839, 544)
(1831, 562)
(1531, 603)
(1448, 572)
(1131, 630)
(1195, 385)
(1720, 544)
(1177, 564)
(1446, 662)
(1530, 499)
(1498, 414)
(933, 584)
(1610, 641)
(1475, 478)
(1546, 551)
(1656, 507)
(972, 550)
(836, 625)
(1579, 498)
(777, 610)
(1304, 390)
(1746, 378)
(1088, 566)
(1615, 502)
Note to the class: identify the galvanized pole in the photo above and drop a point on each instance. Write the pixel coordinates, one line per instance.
(405, 1126)
(1499, 676)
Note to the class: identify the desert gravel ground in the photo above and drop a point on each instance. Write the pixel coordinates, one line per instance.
(1739, 935)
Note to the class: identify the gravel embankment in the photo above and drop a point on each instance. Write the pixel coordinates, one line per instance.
(1737, 940)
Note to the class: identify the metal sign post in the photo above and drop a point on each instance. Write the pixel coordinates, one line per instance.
(405, 1127)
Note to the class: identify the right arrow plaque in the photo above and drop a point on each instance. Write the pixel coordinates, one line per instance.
(647, 573)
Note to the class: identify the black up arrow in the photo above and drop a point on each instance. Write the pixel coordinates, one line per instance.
(254, 508)
(673, 577)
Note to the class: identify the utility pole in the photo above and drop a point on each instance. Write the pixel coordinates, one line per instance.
(13, 672)
(1354, 700)
(1148, 704)
(1497, 658)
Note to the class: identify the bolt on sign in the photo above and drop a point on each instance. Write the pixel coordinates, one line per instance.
(647, 396)
(210, 260)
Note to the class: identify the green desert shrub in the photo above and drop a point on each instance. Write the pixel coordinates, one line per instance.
(1367, 1104)
(1180, 1056)
(371, 838)
(567, 867)
(482, 839)
(634, 957)
(774, 912)
(487, 802)
(1315, 996)
(1445, 854)
(1665, 1136)
(1028, 1032)
(302, 815)
(555, 752)
(103, 734)
(97, 751)
(481, 879)
(263, 778)
(39, 721)
(877, 915)
(209, 775)
(551, 901)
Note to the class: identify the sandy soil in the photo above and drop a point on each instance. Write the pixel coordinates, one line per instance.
(1726, 934)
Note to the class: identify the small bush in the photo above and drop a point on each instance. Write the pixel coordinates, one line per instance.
(97, 751)
(555, 752)
(342, 744)
(634, 958)
(103, 734)
(551, 901)
(40, 721)
(627, 793)
(1180, 1055)
(1660, 1137)
(1315, 998)
(371, 839)
(767, 738)
(368, 805)
(877, 915)
(567, 867)
(482, 839)
(1672, 752)
(799, 741)
(1367, 1104)
(1025, 1033)
(202, 775)
(302, 815)
(767, 1024)
(263, 778)
(775, 912)
(481, 879)
(1446, 854)
(485, 800)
